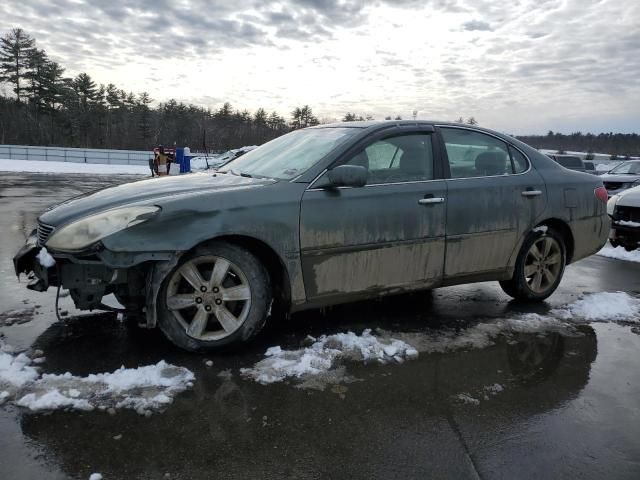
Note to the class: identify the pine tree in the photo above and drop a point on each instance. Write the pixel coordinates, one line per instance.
(144, 116)
(15, 49)
(37, 66)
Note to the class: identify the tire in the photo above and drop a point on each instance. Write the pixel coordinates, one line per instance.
(229, 307)
(536, 275)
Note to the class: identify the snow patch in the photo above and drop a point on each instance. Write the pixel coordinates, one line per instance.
(38, 166)
(15, 370)
(45, 258)
(324, 355)
(541, 229)
(95, 476)
(620, 253)
(320, 363)
(602, 306)
(151, 387)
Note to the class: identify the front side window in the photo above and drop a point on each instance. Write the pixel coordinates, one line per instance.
(475, 154)
(405, 158)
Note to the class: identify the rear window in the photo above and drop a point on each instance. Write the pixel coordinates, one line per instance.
(570, 162)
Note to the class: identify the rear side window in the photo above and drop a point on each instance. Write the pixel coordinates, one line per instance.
(475, 154)
(520, 163)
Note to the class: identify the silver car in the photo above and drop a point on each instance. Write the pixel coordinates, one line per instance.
(624, 176)
(624, 210)
(321, 216)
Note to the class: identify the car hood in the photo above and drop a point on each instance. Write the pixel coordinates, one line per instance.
(629, 198)
(146, 192)
(608, 177)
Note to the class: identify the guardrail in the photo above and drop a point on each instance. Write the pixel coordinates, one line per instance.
(76, 155)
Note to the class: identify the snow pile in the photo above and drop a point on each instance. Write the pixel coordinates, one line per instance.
(142, 389)
(15, 370)
(620, 253)
(603, 306)
(325, 353)
(37, 166)
(541, 229)
(45, 258)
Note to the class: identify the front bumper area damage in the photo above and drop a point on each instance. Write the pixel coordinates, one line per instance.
(134, 278)
(26, 262)
(625, 235)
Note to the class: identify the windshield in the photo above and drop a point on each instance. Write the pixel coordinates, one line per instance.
(627, 168)
(288, 156)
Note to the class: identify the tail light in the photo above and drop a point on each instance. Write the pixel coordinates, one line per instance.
(601, 194)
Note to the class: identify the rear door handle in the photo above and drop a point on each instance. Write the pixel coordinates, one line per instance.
(532, 193)
(430, 200)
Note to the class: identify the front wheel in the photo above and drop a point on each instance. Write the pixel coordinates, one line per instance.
(217, 295)
(539, 267)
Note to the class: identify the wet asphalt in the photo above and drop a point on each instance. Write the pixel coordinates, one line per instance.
(569, 408)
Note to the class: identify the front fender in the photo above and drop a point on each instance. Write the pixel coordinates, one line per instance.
(269, 214)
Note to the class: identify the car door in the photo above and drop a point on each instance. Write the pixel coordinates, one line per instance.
(386, 235)
(493, 198)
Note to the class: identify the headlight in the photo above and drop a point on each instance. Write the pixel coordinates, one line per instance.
(611, 205)
(82, 233)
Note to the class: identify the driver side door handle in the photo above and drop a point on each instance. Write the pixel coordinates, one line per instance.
(430, 200)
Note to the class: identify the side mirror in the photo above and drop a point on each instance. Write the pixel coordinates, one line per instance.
(347, 176)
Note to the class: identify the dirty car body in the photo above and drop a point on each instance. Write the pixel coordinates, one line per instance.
(322, 216)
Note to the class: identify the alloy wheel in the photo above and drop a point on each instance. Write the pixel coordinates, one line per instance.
(543, 264)
(209, 296)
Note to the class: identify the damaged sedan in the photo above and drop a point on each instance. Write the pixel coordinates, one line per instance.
(317, 217)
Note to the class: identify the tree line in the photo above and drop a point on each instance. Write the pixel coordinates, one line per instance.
(49, 108)
(618, 145)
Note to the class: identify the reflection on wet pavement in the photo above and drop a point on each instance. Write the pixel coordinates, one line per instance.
(541, 404)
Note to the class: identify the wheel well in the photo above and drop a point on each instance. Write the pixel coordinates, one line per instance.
(563, 229)
(278, 275)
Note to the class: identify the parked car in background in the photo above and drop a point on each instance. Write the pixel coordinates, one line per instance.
(624, 210)
(569, 161)
(624, 176)
(321, 216)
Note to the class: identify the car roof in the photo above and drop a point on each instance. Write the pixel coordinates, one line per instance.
(375, 124)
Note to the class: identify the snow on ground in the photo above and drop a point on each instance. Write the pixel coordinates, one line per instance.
(324, 353)
(36, 166)
(602, 306)
(620, 253)
(142, 389)
(325, 356)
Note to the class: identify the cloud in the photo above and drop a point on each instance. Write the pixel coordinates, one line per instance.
(518, 65)
(473, 25)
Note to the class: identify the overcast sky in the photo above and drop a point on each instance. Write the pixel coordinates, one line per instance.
(524, 66)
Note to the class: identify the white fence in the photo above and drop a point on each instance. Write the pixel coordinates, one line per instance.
(77, 155)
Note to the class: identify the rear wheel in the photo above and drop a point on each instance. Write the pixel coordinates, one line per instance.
(216, 296)
(539, 267)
